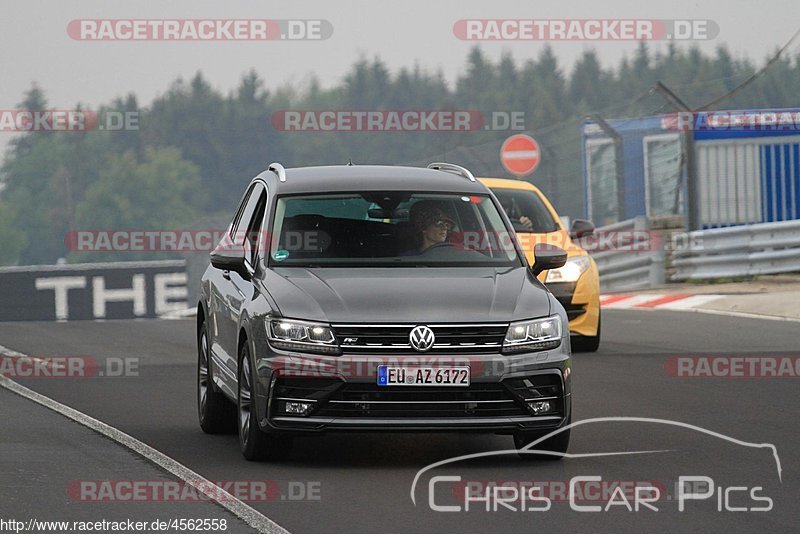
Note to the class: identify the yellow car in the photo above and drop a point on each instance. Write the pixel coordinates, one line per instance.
(576, 285)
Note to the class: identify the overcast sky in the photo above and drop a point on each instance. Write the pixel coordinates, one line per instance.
(35, 46)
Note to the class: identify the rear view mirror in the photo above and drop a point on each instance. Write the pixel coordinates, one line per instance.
(547, 257)
(381, 213)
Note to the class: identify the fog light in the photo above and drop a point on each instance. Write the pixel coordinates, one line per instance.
(297, 408)
(539, 407)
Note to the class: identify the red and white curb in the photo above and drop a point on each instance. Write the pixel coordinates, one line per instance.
(655, 301)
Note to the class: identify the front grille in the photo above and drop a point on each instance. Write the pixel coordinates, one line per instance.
(334, 398)
(370, 400)
(393, 339)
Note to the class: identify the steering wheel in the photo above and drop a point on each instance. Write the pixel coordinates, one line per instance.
(443, 244)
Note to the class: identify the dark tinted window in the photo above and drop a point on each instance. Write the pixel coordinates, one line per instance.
(254, 228)
(245, 215)
(391, 228)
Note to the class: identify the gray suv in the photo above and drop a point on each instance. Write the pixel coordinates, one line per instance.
(378, 298)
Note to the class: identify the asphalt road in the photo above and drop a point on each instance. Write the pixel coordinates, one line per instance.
(47, 463)
(362, 482)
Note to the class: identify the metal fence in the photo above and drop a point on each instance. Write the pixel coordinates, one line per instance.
(638, 263)
(767, 248)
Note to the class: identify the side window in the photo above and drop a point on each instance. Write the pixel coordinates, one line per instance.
(242, 223)
(255, 237)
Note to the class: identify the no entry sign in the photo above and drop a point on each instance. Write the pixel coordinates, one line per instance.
(520, 154)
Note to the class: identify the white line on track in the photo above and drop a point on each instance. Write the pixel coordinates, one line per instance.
(246, 513)
(744, 315)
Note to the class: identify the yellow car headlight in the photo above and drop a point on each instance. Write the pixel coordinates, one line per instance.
(570, 272)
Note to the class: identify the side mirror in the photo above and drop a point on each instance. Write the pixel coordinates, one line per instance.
(229, 257)
(580, 228)
(547, 257)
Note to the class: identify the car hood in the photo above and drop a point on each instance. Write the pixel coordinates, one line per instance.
(407, 295)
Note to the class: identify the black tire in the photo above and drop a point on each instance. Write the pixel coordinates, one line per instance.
(255, 443)
(557, 444)
(216, 413)
(587, 343)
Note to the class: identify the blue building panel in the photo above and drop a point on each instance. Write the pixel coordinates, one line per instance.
(749, 163)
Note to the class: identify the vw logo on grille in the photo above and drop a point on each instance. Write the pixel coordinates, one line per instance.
(421, 338)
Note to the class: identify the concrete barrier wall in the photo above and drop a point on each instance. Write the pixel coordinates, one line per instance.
(123, 290)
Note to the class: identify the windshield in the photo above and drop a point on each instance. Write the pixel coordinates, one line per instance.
(390, 229)
(526, 210)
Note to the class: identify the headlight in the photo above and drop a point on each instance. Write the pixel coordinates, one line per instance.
(570, 272)
(291, 334)
(539, 334)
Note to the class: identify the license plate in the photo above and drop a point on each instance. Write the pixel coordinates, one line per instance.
(422, 376)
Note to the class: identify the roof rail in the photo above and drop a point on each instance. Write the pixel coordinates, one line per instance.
(456, 169)
(279, 171)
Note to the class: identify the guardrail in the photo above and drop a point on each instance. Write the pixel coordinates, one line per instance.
(766, 248)
(633, 262)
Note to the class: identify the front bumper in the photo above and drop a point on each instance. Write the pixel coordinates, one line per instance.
(345, 396)
(581, 301)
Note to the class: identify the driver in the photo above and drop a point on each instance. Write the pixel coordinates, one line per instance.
(514, 214)
(431, 225)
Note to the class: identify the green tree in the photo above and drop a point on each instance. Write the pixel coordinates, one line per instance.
(159, 193)
(196, 144)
